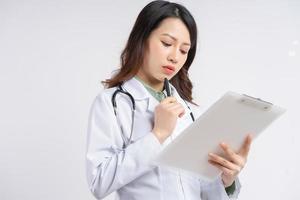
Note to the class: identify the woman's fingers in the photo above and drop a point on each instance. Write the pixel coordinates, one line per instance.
(222, 168)
(223, 162)
(168, 100)
(244, 151)
(240, 157)
(230, 169)
(235, 158)
(177, 108)
(172, 104)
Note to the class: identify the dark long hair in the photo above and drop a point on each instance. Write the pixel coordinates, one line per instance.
(133, 55)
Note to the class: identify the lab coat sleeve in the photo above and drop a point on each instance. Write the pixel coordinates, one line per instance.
(108, 166)
(215, 190)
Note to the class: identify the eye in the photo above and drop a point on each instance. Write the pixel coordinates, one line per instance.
(183, 52)
(166, 44)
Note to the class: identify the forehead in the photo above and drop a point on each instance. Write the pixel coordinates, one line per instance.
(174, 27)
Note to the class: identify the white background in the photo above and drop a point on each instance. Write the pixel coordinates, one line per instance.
(53, 55)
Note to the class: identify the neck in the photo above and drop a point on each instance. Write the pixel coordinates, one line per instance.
(153, 83)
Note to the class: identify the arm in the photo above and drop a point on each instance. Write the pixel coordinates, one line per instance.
(215, 190)
(109, 167)
(231, 166)
(227, 186)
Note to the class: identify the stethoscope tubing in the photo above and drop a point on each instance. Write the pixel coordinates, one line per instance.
(115, 107)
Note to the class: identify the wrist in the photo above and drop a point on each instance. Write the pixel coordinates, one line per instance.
(159, 135)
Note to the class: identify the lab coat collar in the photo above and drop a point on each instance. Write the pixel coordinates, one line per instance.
(139, 92)
(136, 89)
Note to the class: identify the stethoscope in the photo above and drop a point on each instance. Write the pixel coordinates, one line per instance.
(120, 90)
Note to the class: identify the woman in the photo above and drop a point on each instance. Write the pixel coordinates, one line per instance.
(122, 142)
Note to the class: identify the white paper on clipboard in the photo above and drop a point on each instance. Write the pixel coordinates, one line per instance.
(230, 119)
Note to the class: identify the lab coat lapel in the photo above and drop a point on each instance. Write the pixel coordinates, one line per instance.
(140, 93)
(152, 103)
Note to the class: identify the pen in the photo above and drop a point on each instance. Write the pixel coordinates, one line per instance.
(167, 87)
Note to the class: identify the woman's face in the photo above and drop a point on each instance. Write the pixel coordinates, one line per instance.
(166, 52)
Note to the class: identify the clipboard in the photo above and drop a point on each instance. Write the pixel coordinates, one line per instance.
(228, 120)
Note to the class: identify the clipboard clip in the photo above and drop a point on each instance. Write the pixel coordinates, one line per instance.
(265, 104)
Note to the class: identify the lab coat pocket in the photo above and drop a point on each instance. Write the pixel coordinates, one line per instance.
(191, 184)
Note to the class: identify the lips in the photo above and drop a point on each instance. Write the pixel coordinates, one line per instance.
(172, 68)
(168, 69)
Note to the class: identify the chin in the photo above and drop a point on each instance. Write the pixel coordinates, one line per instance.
(162, 78)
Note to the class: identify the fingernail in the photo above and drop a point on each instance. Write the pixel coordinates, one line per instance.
(223, 144)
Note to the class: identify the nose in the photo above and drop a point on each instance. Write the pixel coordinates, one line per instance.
(173, 56)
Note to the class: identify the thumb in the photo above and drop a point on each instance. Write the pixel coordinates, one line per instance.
(246, 146)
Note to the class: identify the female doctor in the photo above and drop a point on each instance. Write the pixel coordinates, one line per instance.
(133, 119)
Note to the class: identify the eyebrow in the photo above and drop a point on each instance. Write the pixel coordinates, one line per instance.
(174, 38)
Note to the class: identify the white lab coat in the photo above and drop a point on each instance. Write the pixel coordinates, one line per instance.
(129, 172)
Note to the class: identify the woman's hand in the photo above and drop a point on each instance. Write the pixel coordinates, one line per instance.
(165, 117)
(236, 161)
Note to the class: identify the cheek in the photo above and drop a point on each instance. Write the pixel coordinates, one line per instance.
(158, 50)
(183, 60)
(157, 55)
